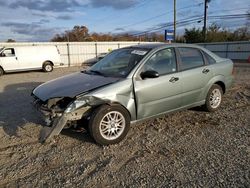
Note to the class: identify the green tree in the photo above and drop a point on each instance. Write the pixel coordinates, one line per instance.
(10, 40)
(240, 34)
(77, 34)
(216, 34)
(193, 35)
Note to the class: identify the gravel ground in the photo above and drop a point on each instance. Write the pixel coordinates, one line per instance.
(186, 149)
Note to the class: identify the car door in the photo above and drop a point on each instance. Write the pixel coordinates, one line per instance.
(161, 94)
(195, 75)
(9, 59)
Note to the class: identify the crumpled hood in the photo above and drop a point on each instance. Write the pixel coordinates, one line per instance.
(71, 85)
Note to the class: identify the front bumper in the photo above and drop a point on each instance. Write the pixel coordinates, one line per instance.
(56, 121)
(48, 132)
(46, 114)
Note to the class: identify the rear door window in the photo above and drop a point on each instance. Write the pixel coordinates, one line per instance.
(209, 59)
(190, 58)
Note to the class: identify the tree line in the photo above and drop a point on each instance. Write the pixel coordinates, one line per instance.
(215, 33)
(81, 34)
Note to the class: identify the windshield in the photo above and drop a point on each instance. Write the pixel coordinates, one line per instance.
(119, 63)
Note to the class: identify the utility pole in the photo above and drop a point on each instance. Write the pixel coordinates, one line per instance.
(174, 20)
(205, 19)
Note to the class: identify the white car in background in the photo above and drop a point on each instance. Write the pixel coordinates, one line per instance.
(23, 58)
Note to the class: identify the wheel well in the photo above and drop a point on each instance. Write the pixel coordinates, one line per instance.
(222, 85)
(117, 103)
(48, 61)
(110, 104)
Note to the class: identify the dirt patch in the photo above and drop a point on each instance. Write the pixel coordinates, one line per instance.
(189, 148)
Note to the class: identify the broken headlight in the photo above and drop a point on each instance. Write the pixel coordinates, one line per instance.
(80, 102)
(84, 101)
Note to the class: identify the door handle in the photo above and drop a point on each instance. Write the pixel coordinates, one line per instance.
(174, 79)
(16, 58)
(205, 71)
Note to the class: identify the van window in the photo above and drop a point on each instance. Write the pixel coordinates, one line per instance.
(9, 52)
(190, 58)
(163, 62)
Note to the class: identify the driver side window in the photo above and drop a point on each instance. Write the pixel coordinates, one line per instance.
(163, 62)
(9, 52)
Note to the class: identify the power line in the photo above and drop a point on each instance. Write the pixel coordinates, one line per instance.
(161, 15)
(180, 24)
(228, 10)
(171, 24)
(230, 16)
(158, 16)
(192, 19)
(197, 18)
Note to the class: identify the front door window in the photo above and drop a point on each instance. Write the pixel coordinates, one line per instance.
(163, 62)
(9, 52)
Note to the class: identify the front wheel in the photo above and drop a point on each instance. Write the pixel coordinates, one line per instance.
(214, 98)
(109, 124)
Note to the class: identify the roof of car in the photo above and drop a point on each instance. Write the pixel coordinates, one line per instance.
(159, 45)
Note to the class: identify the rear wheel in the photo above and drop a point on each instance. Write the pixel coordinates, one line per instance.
(214, 98)
(109, 124)
(47, 67)
(1, 71)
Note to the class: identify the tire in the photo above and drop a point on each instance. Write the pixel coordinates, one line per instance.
(109, 124)
(1, 71)
(47, 67)
(214, 98)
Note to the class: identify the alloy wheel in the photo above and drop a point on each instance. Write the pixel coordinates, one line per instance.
(112, 125)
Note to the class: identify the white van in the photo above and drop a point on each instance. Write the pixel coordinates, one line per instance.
(23, 58)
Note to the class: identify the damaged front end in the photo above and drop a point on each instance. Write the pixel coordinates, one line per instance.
(60, 113)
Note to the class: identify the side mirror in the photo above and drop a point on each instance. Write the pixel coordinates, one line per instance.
(149, 74)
